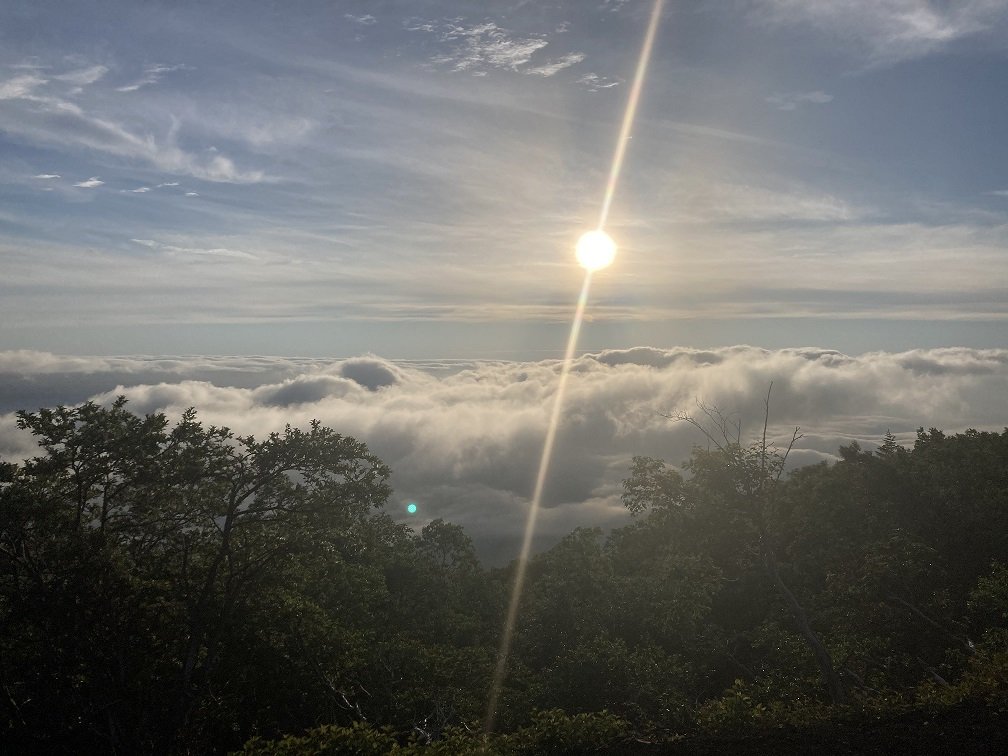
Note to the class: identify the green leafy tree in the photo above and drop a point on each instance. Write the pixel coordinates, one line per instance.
(729, 503)
(432, 652)
(134, 554)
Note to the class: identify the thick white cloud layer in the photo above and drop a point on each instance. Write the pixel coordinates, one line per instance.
(464, 438)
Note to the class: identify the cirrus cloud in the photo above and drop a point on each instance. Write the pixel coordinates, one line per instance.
(888, 31)
(477, 48)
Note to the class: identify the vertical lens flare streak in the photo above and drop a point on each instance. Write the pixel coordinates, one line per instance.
(630, 114)
(500, 672)
(519, 579)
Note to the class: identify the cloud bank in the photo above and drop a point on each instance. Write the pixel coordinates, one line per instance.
(463, 438)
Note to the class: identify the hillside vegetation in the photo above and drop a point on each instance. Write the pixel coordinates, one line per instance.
(180, 589)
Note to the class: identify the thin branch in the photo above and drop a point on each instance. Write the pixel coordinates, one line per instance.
(795, 437)
(684, 417)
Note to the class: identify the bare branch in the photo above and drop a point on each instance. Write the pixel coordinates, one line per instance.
(766, 421)
(794, 439)
(684, 417)
(718, 428)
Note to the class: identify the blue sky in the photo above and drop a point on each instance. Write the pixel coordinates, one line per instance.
(409, 178)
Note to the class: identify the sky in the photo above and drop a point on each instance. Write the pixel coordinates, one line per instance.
(409, 178)
(366, 212)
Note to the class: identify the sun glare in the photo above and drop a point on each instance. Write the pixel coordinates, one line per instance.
(595, 250)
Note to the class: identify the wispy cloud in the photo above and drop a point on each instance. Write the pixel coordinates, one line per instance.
(47, 111)
(365, 20)
(548, 69)
(20, 86)
(399, 190)
(888, 30)
(477, 48)
(791, 100)
(593, 82)
(47, 176)
(145, 189)
(151, 75)
(53, 120)
(172, 249)
(724, 201)
(486, 45)
(83, 76)
(90, 183)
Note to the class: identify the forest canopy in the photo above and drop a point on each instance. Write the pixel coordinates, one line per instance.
(179, 588)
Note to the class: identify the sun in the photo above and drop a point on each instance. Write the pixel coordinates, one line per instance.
(595, 250)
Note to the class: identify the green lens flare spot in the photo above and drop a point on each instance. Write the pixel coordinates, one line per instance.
(411, 508)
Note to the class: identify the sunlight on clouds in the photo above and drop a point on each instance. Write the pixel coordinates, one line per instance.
(364, 184)
(761, 266)
(463, 437)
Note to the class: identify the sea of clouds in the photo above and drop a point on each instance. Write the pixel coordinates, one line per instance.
(464, 438)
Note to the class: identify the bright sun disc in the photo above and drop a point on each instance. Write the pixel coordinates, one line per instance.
(595, 250)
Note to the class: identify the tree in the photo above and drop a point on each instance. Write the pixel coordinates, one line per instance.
(730, 500)
(433, 655)
(132, 552)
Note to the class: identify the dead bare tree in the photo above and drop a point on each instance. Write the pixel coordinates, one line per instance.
(761, 487)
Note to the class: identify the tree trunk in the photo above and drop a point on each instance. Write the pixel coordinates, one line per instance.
(837, 693)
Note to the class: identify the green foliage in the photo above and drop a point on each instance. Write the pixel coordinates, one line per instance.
(556, 732)
(177, 588)
(549, 732)
(735, 711)
(988, 602)
(151, 576)
(357, 739)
